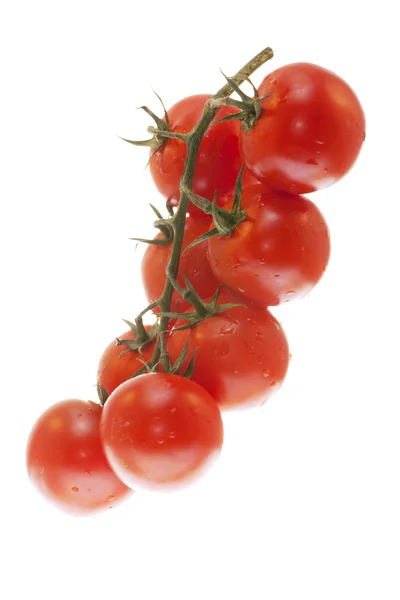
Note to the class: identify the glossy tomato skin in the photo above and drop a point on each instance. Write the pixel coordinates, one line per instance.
(278, 253)
(194, 263)
(66, 462)
(117, 366)
(161, 431)
(310, 132)
(242, 355)
(218, 161)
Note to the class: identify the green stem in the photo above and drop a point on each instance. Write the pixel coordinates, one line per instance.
(193, 140)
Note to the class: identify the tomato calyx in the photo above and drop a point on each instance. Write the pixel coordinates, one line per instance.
(225, 221)
(203, 310)
(160, 134)
(165, 227)
(249, 107)
(142, 335)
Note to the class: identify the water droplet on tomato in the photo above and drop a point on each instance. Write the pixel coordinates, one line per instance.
(75, 489)
(311, 161)
(88, 471)
(111, 498)
(259, 336)
(172, 435)
(266, 373)
(273, 384)
(160, 441)
(227, 329)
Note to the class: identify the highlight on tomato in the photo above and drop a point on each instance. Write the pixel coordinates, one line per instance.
(66, 462)
(161, 431)
(278, 253)
(310, 131)
(242, 354)
(218, 161)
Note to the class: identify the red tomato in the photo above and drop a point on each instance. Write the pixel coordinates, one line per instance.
(242, 354)
(160, 431)
(116, 368)
(278, 253)
(66, 462)
(218, 162)
(310, 132)
(194, 264)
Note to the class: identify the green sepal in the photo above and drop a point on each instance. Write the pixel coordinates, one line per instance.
(236, 210)
(132, 327)
(220, 222)
(233, 117)
(141, 371)
(202, 238)
(166, 117)
(155, 242)
(237, 89)
(170, 209)
(175, 315)
(180, 360)
(151, 143)
(102, 394)
(188, 373)
(156, 211)
(161, 125)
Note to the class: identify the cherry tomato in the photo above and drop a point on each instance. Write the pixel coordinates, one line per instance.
(278, 253)
(194, 264)
(310, 132)
(117, 366)
(218, 162)
(66, 462)
(160, 431)
(242, 354)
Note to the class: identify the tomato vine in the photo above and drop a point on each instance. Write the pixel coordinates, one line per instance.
(178, 219)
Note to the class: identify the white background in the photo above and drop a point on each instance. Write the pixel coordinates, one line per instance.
(304, 502)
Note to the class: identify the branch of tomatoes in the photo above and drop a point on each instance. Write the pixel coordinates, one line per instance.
(265, 244)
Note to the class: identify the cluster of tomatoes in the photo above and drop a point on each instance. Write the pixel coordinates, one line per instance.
(160, 430)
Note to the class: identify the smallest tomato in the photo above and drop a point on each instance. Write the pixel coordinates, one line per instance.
(118, 364)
